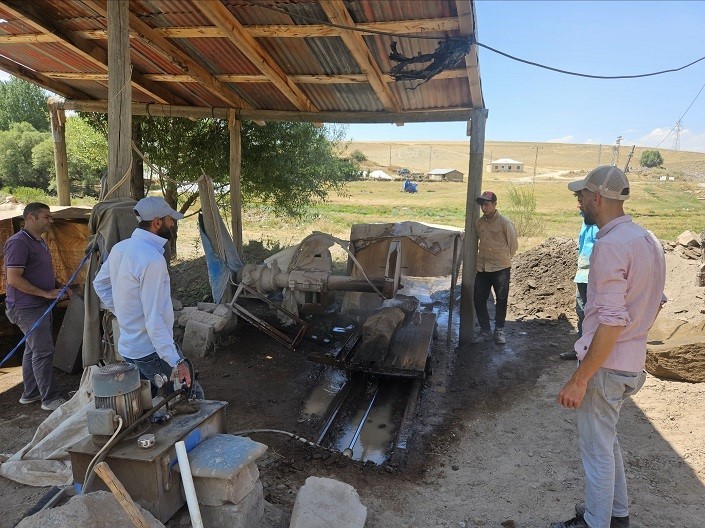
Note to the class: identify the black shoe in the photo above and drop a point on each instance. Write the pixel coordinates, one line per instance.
(575, 522)
(568, 355)
(615, 522)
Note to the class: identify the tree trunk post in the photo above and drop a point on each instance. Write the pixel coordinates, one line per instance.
(235, 128)
(119, 101)
(137, 177)
(57, 117)
(476, 131)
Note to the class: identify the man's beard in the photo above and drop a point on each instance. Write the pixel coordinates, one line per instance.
(165, 232)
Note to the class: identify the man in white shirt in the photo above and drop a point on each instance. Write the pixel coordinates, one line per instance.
(134, 284)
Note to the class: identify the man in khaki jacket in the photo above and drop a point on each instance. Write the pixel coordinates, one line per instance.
(498, 243)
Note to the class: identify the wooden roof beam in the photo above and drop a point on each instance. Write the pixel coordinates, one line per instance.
(41, 80)
(422, 25)
(440, 115)
(152, 38)
(466, 18)
(338, 14)
(221, 16)
(86, 49)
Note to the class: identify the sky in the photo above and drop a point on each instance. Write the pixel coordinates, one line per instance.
(526, 103)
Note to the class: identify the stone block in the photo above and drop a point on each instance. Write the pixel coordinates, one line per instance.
(177, 304)
(324, 502)
(688, 238)
(216, 492)
(245, 514)
(207, 307)
(198, 340)
(223, 310)
(188, 309)
(214, 321)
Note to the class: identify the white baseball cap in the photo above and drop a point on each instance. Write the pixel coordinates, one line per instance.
(155, 207)
(607, 180)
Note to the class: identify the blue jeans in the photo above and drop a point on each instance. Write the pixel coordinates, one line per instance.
(38, 358)
(151, 365)
(499, 282)
(605, 481)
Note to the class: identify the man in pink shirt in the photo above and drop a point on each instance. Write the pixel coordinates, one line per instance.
(625, 293)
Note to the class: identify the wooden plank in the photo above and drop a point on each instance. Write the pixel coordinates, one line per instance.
(337, 12)
(466, 18)
(404, 27)
(440, 115)
(36, 38)
(57, 119)
(472, 211)
(120, 97)
(412, 345)
(235, 129)
(236, 34)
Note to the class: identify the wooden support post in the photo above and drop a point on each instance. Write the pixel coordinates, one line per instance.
(235, 128)
(476, 131)
(57, 117)
(120, 101)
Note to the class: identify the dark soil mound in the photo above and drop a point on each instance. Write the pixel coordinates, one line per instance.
(542, 281)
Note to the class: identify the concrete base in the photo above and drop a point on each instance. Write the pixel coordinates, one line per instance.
(324, 502)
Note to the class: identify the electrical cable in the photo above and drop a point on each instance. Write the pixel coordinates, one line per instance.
(681, 117)
(479, 44)
(107, 445)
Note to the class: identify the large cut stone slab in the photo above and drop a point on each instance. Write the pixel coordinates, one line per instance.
(324, 502)
(214, 321)
(224, 469)
(245, 514)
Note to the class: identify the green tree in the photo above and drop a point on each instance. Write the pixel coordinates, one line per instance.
(17, 166)
(651, 158)
(21, 101)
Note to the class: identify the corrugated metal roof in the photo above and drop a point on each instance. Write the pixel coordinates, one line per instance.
(289, 59)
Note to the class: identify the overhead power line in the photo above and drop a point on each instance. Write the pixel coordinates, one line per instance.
(678, 123)
(471, 40)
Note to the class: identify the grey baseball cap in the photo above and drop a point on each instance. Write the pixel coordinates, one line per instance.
(606, 180)
(155, 207)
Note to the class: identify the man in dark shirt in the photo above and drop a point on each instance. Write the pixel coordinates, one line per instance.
(31, 287)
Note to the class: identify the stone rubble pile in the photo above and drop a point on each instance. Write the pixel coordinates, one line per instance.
(201, 324)
(688, 245)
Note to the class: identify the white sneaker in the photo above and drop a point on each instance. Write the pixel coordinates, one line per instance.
(482, 336)
(53, 405)
(499, 336)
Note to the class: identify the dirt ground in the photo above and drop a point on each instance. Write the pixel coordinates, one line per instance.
(490, 448)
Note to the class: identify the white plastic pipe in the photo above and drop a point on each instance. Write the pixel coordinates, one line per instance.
(187, 479)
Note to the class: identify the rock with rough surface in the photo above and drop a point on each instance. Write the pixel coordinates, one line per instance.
(324, 502)
(96, 510)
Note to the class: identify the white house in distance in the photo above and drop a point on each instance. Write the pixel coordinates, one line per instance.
(505, 165)
(444, 175)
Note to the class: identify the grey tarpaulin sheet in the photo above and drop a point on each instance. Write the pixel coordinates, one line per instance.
(44, 461)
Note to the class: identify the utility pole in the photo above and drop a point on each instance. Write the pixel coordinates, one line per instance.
(536, 161)
(390, 154)
(629, 158)
(677, 139)
(615, 151)
(599, 154)
(430, 154)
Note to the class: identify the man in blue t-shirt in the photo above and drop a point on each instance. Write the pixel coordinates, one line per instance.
(586, 239)
(31, 287)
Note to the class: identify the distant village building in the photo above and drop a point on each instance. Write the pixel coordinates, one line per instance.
(445, 175)
(505, 165)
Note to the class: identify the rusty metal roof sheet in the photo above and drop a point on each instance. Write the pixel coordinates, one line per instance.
(287, 56)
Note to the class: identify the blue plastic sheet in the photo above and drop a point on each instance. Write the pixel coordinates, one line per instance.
(219, 271)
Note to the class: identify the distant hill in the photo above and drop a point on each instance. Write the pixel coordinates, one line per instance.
(420, 156)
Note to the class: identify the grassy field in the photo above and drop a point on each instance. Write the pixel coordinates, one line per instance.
(666, 207)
